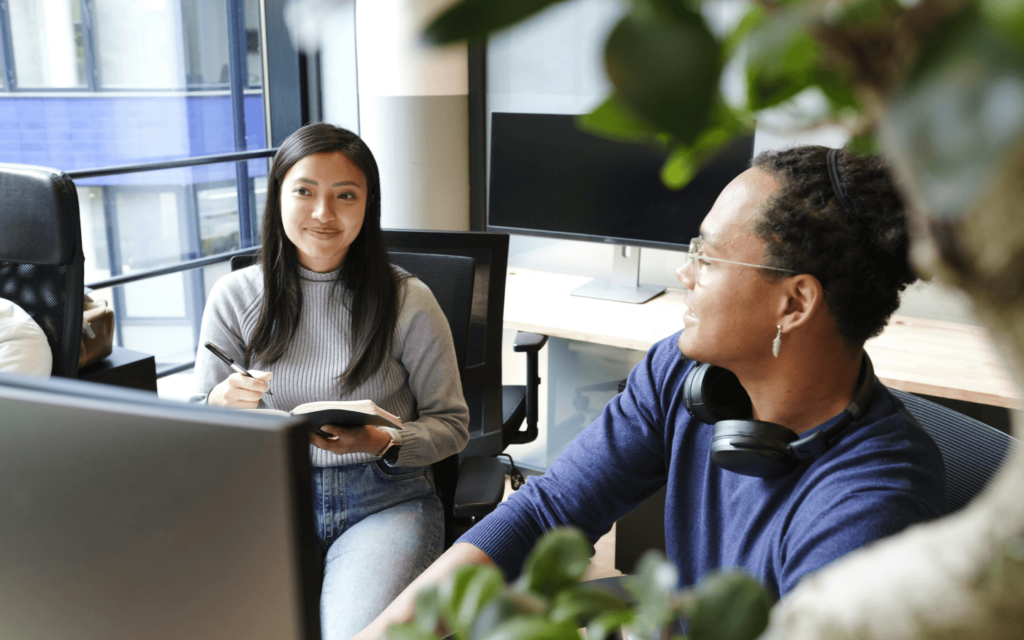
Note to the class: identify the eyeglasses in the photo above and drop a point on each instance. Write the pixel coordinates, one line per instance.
(696, 260)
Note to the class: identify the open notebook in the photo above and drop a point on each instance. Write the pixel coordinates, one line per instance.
(340, 413)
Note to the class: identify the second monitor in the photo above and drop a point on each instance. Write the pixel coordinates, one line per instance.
(549, 178)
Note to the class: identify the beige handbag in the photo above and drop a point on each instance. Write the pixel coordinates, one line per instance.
(97, 332)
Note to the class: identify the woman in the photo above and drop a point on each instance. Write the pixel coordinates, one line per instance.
(799, 262)
(327, 317)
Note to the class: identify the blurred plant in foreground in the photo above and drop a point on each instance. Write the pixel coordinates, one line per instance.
(548, 601)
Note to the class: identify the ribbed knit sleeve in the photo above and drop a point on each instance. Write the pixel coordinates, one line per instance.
(441, 427)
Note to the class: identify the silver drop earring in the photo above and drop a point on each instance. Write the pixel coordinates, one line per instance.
(777, 342)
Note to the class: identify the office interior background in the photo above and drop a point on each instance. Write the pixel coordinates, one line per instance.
(88, 84)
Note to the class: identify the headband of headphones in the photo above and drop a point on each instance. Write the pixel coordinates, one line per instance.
(837, 185)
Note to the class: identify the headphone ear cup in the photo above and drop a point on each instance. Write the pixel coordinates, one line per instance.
(712, 393)
(753, 448)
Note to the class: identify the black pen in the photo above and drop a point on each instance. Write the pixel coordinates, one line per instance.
(215, 350)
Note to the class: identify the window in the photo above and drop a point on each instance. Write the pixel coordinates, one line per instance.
(46, 40)
(87, 84)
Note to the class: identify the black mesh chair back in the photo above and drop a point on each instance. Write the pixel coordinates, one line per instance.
(482, 382)
(450, 279)
(41, 261)
(971, 450)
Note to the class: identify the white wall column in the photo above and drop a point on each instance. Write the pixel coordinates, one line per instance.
(413, 112)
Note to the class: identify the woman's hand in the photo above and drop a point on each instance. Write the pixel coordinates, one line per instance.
(241, 392)
(363, 439)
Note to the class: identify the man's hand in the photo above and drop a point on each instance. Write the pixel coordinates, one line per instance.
(404, 607)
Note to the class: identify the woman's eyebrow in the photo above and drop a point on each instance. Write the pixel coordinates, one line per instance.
(344, 183)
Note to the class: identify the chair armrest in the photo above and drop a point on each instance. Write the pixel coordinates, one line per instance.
(528, 342)
(531, 344)
(480, 487)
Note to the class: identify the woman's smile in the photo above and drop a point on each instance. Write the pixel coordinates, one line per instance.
(322, 232)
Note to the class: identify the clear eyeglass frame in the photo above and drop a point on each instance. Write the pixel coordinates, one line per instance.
(696, 260)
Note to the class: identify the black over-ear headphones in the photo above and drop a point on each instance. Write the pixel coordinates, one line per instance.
(755, 447)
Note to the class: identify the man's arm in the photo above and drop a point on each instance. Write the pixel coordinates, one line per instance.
(404, 606)
(616, 463)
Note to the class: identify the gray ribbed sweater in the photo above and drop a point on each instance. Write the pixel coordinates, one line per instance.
(420, 383)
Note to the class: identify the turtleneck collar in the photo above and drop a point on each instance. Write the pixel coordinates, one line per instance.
(306, 274)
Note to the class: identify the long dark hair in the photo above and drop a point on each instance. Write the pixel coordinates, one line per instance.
(366, 270)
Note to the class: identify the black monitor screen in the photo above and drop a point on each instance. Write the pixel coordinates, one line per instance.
(550, 178)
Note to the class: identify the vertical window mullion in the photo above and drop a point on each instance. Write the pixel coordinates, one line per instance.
(6, 49)
(88, 43)
(236, 74)
(114, 256)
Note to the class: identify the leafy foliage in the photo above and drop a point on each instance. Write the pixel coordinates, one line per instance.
(548, 601)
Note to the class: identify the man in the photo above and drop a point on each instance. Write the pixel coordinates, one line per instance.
(801, 260)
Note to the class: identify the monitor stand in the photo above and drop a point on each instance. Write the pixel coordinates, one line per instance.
(624, 285)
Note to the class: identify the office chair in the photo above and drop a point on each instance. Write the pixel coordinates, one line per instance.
(497, 412)
(41, 260)
(971, 450)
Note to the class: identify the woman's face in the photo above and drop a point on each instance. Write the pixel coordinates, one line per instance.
(323, 203)
(732, 308)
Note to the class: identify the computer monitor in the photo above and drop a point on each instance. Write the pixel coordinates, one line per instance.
(549, 178)
(123, 516)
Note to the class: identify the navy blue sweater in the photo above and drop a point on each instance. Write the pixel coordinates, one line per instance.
(883, 474)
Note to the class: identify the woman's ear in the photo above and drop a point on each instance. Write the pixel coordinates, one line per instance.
(803, 298)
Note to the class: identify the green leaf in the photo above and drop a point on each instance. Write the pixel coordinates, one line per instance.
(654, 586)
(753, 20)
(864, 144)
(469, 590)
(533, 628)
(556, 562)
(582, 602)
(503, 608)
(685, 161)
(409, 631)
(728, 606)
(613, 120)
(838, 89)
(781, 61)
(666, 72)
(476, 18)
(607, 623)
(485, 585)
(429, 608)
(1006, 17)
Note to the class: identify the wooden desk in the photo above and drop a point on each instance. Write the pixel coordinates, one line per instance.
(930, 357)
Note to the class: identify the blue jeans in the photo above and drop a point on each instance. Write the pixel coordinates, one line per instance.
(379, 528)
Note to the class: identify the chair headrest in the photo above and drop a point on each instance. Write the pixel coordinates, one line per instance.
(38, 215)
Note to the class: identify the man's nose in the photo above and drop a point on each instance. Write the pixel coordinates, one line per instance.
(684, 274)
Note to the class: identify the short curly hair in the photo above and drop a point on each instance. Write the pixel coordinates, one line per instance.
(860, 257)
